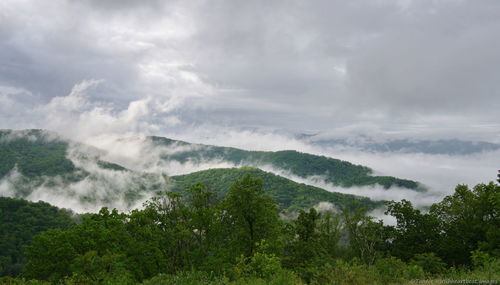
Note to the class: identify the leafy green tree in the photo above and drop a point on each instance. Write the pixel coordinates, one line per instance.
(92, 268)
(304, 247)
(20, 220)
(251, 215)
(429, 262)
(261, 264)
(172, 217)
(414, 233)
(365, 235)
(471, 221)
(330, 230)
(315, 241)
(49, 256)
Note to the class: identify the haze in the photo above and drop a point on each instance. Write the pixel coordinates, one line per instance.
(261, 74)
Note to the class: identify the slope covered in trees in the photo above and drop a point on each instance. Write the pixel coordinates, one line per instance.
(37, 160)
(34, 152)
(37, 153)
(241, 240)
(20, 220)
(334, 171)
(289, 195)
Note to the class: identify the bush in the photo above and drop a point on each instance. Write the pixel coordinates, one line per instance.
(393, 270)
(429, 262)
(342, 272)
(12, 281)
(261, 264)
(187, 278)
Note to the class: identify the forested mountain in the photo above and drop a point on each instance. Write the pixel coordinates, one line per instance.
(223, 226)
(34, 152)
(37, 164)
(241, 239)
(289, 195)
(20, 220)
(41, 165)
(304, 165)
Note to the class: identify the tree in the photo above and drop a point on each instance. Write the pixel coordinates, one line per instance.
(20, 220)
(50, 256)
(365, 235)
(251, 215)
(414, 233)
(470, 221)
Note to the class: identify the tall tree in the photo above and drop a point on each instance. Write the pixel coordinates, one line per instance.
(471, 221)
(415, 232)
(252, 215)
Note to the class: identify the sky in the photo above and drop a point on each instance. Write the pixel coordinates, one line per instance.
(255, 74)
(406, 68)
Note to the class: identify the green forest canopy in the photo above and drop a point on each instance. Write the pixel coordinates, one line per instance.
(241, 238)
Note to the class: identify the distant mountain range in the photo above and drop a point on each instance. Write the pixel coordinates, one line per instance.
(290, 195)
(40, 165)
(304, 165)
(448, 147)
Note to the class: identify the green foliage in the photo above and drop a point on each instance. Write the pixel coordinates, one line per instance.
(252, 216)
(49, 256)
(261, 264)
(168, 236)
(384, 271)
(20, 220)
(415, 232)
(20, 281)
(315, 240)
(335, 171)
(187, 278)
(341, 272)
(487, 269)
(470, 220)
(35, 153)
(365, 235)
(392, 270)
(290, 196)
(282, 277)
(429, 262)
(199, 239)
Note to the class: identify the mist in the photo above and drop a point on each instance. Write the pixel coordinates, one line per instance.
(440, 174)
(234, 74)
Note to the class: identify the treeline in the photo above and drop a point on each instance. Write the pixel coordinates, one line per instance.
(335, 171)
(241, 239)
(20, 220)
(289, 195)
(33, 153)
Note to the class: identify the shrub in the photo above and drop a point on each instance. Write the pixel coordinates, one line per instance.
(429, 262)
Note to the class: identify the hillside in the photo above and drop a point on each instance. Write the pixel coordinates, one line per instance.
(291, 196)
(35, 164)
(39, 165)
(20, 220)
(34, 152)
(335, 171)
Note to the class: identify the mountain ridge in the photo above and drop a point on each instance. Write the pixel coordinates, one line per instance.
(39, 164)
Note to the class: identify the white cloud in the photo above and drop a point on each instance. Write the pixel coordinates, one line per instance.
(232, 73)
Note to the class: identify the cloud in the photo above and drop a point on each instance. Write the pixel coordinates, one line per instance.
(91, 186)
(256, 74)
(398, 65)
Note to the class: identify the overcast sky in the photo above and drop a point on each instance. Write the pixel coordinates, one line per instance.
(410, 68)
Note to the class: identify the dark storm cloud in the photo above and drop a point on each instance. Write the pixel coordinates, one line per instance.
(299, 65)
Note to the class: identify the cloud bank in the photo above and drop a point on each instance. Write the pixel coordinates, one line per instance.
(255, 75)
(409, 67)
